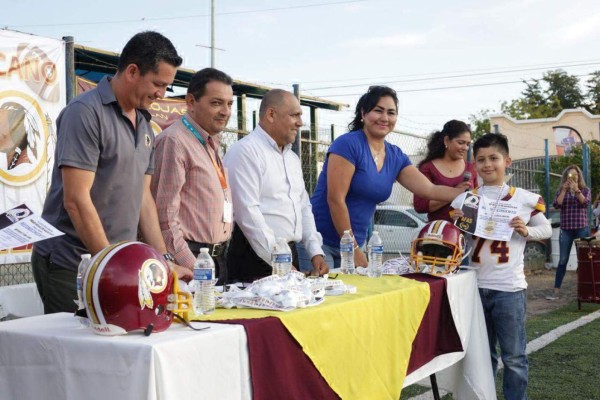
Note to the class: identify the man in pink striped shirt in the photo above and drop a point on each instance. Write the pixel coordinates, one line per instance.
(190, 184)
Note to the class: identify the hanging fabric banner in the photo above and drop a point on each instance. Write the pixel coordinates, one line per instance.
(32, 94)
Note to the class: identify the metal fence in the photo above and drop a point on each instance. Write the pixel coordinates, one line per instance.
(13, 274)
(524, 174)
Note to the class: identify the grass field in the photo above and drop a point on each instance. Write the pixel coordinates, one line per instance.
(565, 369)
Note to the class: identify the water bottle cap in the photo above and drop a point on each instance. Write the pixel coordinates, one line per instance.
(204, 250)
(86, 256)
(347, 231)
(375, 232)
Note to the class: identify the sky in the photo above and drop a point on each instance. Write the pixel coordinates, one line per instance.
(447, 60)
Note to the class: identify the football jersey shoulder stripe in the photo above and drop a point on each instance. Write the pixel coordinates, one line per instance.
(510, 194)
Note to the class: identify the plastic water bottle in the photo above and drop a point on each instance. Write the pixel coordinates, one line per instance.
(281, 258)
(83, 266)
(375, 251)
(204, 283)
(347, 253)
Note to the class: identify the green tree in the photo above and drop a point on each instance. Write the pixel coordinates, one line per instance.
(546, 97)
(480, 123)
(593, 93)
(565, 88)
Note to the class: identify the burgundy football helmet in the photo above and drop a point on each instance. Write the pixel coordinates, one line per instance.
(438, 248)
(128, 286)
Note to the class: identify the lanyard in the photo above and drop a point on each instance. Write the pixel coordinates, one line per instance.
(218, 168)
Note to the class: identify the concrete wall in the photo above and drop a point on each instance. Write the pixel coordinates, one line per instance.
(526, 137)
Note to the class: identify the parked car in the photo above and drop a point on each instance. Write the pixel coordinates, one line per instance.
(542, 249)
(397, 226)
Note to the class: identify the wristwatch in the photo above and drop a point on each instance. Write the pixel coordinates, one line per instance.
(169, 257)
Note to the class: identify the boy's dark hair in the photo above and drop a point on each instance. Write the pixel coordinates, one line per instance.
(496, 140)
(198, 83)
(146, 50)
(368, 101)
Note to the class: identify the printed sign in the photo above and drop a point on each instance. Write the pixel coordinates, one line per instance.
(32, 94)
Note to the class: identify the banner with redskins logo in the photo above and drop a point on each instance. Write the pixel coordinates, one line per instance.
(32, 94)
(164, 111)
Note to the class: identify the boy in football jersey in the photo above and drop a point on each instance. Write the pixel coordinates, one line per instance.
(500, 275)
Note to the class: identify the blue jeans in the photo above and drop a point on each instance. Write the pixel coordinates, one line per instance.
(565, 242)
(332, 257)
(505, 322)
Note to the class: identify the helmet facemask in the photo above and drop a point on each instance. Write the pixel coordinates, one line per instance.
(438, 249)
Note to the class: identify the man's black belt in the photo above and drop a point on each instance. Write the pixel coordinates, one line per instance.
(215, 250)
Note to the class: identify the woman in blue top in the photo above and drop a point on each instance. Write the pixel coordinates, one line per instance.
(359, 172)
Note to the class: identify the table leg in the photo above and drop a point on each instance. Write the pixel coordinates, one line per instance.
(434, 387)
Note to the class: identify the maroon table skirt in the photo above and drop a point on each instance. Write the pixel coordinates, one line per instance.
(279, 369)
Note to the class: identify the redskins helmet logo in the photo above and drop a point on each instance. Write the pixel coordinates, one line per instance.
(24, 133)
(152, 279)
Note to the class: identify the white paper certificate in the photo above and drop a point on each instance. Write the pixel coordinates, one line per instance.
(19, 226)
(487, 218)
(499, 214)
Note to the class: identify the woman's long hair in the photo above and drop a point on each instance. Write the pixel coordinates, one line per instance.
(565, 176)
(435, 145)
(368, 101)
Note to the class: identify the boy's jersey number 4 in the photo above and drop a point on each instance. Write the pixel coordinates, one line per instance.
(497, 247)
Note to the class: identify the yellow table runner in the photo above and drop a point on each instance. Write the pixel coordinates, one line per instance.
(360, 343)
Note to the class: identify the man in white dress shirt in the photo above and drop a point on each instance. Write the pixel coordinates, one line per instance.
(269, 197)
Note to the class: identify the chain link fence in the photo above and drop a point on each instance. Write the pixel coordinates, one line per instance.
(13, 274)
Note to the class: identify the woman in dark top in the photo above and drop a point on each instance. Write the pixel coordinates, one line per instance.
(445, 164)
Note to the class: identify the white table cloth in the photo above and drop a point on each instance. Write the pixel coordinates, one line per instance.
(468, 374)
(53, 357)
(20, 301)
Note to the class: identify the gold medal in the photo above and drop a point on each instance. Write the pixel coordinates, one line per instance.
(489, 227)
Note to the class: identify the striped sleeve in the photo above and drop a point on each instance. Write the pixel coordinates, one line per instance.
(540, 206)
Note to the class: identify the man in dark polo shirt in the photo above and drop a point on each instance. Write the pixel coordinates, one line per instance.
(100, 190)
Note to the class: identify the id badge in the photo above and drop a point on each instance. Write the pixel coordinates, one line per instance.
(227, 212)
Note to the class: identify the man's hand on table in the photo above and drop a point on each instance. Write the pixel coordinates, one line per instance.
(320, 266)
